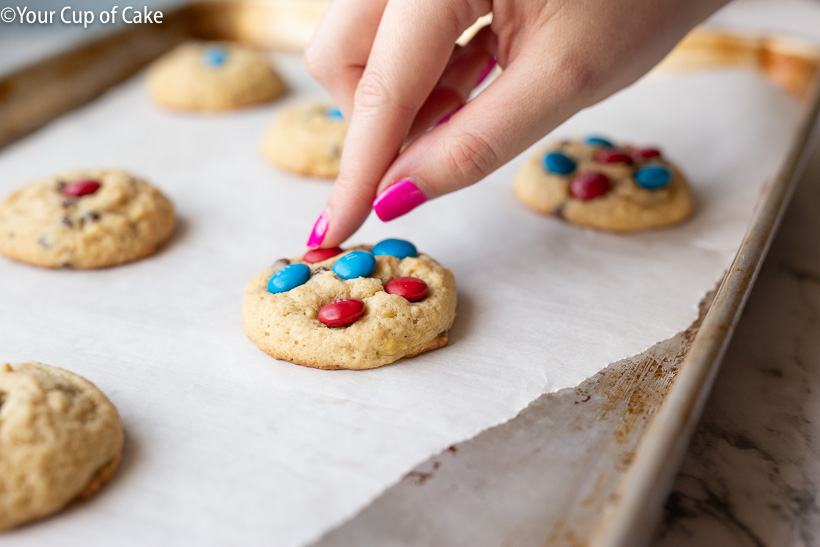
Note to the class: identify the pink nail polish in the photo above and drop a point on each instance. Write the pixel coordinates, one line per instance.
(398, 199)
(446, 118)
(319, 231)
(486, 72)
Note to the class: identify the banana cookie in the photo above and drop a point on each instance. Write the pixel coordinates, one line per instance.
(599, 184)
(307, 139)
(84, 219)
(213, 76)
(356, 308)
(60, 439)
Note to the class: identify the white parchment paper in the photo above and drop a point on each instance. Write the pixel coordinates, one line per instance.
(227, 446)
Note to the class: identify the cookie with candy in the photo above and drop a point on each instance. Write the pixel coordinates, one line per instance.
(600, 184)
(356, 308)
(307, 139)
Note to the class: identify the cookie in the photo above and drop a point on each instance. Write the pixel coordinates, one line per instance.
(60, 439)
(208, 76)
(358, 308)
(598, 184)
(84, 219)
(307, 139)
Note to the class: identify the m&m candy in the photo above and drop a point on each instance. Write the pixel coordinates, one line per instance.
(589, 185)
(558, 163)
(80, 188)
(355, 264)
(318, 255)
(342, 312)
(288, 278)
(215, 56)
(334, 114)
(411, 288)
(595, 140)
(395, 247)
(653, 177)
(639, 154)
(612, 156)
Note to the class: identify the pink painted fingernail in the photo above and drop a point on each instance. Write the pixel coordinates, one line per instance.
(486, 72)
(446, 118)
(319, 231)
(398, 199)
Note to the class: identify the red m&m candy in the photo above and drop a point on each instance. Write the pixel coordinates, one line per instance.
(81, 188)
(639, 154)
(612, 156)
(412, 288)
(317, 255)
(589, 185)
(342, 312)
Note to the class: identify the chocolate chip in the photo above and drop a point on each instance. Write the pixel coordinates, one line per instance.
(92, 216)
(67, 221)
(320, 269)
(44, 243)
(61, 185)
(67, 265)
(559, 211)
(443, 333)
(69, 203)
(279, 264)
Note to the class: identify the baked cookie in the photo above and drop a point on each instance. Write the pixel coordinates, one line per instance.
(601, 185)
(357, 308)
(307, 139)
(60, 439)
(213, 76)
(84, 219)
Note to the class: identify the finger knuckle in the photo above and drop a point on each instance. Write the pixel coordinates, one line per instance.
(314, 57)
(470, 155)
(579, 77)
(374, 92)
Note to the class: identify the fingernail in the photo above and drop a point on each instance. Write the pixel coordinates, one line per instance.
(319, 231)
(486, 72)
(398, 199)
(446, 118)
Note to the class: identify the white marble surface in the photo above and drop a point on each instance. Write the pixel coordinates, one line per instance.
(752, 474)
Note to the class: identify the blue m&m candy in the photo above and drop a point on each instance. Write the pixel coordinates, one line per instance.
(215, 56)
(355, 264)
(334, 114)
(558, 163)
(288, 278)
(599, 141)
(395, 247)
(653, 177)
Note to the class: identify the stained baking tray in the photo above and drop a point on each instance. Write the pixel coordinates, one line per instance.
(592, 465)
(621, 433)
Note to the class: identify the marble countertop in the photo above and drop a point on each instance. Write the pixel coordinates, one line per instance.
(752, 473)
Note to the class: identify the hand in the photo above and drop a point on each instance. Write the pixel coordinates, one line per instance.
(394, 70)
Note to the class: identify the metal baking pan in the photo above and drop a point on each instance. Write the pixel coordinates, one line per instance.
(594, 463)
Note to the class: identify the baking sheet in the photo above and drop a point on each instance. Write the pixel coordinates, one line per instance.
(225, 444)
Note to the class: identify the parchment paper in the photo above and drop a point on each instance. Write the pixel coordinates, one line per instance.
(227, 446)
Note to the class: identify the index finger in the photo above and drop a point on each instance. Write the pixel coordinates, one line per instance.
(404, 65)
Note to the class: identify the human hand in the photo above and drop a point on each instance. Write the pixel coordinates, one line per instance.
(394, 70)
